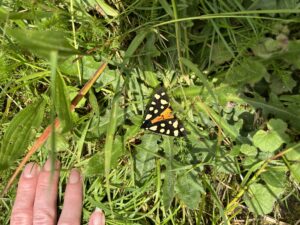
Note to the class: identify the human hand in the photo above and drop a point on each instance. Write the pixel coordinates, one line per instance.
(36, 198)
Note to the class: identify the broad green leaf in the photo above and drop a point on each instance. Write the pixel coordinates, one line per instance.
(277, 125)
(220, 53)
(43, 42)
(275, 176)
(295, 171)
(169, 181)
(100, 124)
(268, 141)
(259, 199)
(248, 150)
(95, 165)
(293, 154)
(189, 190)
(168, 188)
(248, 72)
(272, 139)
(282, 82)
(145, 157)
(19, 133)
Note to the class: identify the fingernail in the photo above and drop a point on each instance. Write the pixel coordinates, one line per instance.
(74, 176)
(48, 165)
(98, 217)
(31, 170)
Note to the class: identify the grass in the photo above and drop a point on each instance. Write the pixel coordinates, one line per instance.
(231, 69)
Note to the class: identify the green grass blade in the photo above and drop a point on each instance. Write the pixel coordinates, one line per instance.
(135, 43)
(62, 103)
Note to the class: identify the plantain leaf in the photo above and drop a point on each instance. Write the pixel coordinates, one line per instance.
(18, 134)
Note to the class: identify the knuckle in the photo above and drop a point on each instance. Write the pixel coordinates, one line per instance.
(43, 216)
(20, 217)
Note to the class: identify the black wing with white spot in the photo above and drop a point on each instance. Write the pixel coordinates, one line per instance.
(171, 127)
(159, 117)
(158, 103)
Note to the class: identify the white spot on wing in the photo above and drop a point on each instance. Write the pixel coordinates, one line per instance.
(170, 122)
(162, 130)
(153, 103)
(149, 116)
(163, 125)
(181, 129)
(175, 124)
(176, 133)
(163, 93)
(155, 111)
(157, 96)
(154, 128)
(161, 107)
(168, 132)
(163, 102)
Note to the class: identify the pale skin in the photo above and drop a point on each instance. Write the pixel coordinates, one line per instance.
(37, 195)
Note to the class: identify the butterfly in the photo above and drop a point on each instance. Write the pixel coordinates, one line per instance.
(159, 116)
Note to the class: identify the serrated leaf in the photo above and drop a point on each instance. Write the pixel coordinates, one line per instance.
(18, 134)
(189, 190)
(248, 150)
(282, 82)
(259, 199)
(248, 72)
(220, 53)
(268, 141)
